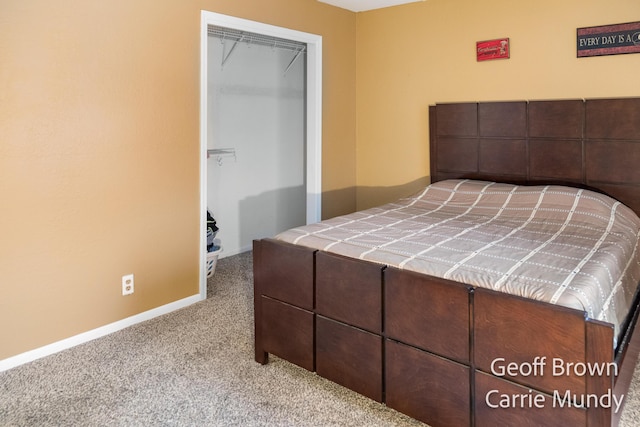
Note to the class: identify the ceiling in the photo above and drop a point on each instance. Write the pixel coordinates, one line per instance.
(362, 5)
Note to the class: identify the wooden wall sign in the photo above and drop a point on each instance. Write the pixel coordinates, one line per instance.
(609, 39)
(492, 49)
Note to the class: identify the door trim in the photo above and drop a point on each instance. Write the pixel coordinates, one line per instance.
(313, 116)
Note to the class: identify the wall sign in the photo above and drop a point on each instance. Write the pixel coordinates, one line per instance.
(492, 49)
(609, 39)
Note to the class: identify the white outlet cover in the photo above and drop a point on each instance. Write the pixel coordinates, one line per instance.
(127, 284)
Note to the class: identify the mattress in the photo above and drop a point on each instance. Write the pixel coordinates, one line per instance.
(561, 245)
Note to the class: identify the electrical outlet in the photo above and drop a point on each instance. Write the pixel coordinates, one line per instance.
(127, 284)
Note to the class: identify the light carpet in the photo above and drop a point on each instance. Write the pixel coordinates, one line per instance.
(192, 367)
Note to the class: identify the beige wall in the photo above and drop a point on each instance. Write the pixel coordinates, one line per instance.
(411, 56)
(99, 153)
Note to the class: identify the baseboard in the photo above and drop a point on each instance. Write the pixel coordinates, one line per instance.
(29, 356)
(226, 253)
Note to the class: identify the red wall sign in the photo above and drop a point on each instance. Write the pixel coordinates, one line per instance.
(492, 49)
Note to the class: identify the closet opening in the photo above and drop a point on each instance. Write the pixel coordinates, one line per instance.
(260, 131)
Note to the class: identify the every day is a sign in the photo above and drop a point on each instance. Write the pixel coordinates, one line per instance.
(609, 39)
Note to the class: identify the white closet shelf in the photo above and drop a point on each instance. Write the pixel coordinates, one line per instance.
(237, 36)
(254, 38)
(221, 153)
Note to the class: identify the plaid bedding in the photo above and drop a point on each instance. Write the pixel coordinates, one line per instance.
(557, 244)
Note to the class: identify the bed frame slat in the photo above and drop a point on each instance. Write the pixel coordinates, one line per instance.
(349, 291)
(440, 326)
(598, 335)
(514, 330)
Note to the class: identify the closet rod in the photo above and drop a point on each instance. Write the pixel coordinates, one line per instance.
(253, 38)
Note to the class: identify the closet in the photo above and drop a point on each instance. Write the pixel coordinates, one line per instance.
(256, 144)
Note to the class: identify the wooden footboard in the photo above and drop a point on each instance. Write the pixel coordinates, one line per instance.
(442, 352)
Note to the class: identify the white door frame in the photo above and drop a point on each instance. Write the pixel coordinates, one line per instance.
(313, 115)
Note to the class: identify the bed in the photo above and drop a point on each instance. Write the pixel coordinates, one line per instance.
(478, 314)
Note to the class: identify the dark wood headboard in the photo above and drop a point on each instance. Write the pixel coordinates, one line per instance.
(592, 143)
